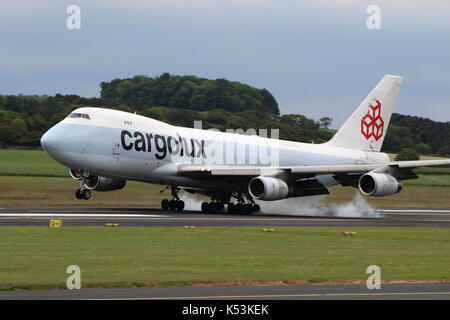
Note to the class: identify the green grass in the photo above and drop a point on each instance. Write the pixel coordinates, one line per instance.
(31, 177)
(433, 171)
(430, 180)
(29, 163)
(23, 191)
(37, 257)
(38, 163)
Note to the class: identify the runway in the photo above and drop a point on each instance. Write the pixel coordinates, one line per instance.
(134, 216)
(430, 291)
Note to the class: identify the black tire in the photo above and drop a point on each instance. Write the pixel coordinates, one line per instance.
(231, 208)
(220, 207)
(239, 208)
(205, 207)
(212, 207)
(78, 194)
(86, 194)
(172, 205)
(256, 208)
(180, 205)
(247, 209)
(165, 204)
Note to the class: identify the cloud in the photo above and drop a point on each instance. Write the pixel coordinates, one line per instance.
(317, 57)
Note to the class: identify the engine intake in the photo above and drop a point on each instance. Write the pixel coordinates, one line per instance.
(76, 174)
(379, 184)
(104, 183)
(268, 188)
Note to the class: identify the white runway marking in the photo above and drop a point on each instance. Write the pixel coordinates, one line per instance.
(68, 215)
(82, 211)
(412, 211)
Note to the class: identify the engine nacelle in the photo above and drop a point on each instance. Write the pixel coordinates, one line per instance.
(104, 184)
(379, 184)
(76, 174)
(268, 188)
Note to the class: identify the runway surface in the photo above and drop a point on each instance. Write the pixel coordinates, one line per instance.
(438, 291)
(133, 216)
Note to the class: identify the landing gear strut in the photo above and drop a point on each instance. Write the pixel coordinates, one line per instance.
(175, 203)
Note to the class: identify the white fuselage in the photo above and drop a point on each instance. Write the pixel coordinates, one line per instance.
(119, 144)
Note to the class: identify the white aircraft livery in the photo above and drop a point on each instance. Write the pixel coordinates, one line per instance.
(104, 148)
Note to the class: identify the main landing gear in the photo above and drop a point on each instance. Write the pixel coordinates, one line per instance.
(212, 207)
(241, 207)
(175, 203)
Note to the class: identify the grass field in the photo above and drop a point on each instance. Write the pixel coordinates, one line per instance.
(29, 163)
(37, 257)
(22, 191)
(31, 177)
(38, 163)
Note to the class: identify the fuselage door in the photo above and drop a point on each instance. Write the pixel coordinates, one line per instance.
(116, 149)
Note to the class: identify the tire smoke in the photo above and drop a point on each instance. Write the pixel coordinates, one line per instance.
(313, 206)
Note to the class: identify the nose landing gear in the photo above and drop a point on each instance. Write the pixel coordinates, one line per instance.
(83, 193)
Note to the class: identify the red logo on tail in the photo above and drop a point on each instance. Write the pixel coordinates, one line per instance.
(372, 125)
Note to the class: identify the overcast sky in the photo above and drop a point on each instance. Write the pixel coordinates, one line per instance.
(317, 57)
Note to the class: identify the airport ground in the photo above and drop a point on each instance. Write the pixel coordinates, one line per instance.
(151, 248)
(232, 252)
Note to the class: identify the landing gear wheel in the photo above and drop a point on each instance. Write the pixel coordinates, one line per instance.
(231, 208)
(205, 207)
(78, 194)
(256, 208)
(248, 208)
(86, 194)
(165, 204)
(239, 208)
(180, 205)
(172, 205)
(212, 207)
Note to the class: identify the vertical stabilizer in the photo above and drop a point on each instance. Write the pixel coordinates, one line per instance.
(366, 129)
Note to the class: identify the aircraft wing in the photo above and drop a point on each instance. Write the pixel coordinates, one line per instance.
(399, 169)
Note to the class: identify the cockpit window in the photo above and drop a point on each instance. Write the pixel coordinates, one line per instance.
(79, 115)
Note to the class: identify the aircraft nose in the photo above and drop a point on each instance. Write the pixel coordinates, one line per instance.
(49, 141)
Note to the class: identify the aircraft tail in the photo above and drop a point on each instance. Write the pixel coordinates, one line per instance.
(366, 129)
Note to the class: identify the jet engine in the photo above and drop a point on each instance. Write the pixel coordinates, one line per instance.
(104, 184)
(76, 174)
(379, 184)
(268, 188)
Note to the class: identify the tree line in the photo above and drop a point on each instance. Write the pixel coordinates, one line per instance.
(188, 92)
(23, 119)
